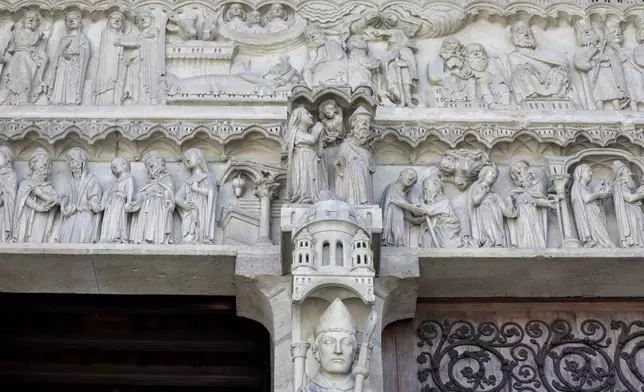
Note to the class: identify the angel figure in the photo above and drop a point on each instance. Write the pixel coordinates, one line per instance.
(26, 60)
(70, 62)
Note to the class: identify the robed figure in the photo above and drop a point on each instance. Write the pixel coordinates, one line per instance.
(115, 218)
(588, 210)
(395, 205)
(196, 200)
(110, 75)
(35, 202)
(307, 173)
(81, 203)
(8, 189)
(70, 62)
(154, 204)
(628, 207)
(354, 165)
(528, 228)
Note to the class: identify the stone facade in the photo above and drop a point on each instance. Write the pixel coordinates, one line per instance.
(311, 157)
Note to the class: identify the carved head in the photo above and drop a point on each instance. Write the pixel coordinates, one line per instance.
(120, 166)
(586, 34)
(40, 165)
(335, 341)
(116, 21)
(76, 161)
(452, 53)
(6, 157)
(583, 174)
(390, 19)
(328, 109)
(154, 164)
(315, 37)
(522, 36)
(276, 12)
(73, 20)
(301, 119)
(235, 11)
(488, 175)
(622, 174)
(522, 174)
(432, 188)
(254, 18)
(194, 158)
(408, 178)
(476, 56)
(357, 42)
(144, 19)
(360, 126)
(31, 20)
(614, 33)
(371, 17)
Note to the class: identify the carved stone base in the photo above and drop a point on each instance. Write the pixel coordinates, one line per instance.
(240, 227)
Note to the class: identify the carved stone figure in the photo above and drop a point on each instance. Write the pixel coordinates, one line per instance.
(80, 205)
(536, 72)
(143, 57)
(255, 23)
(235, 17)
(395, 204)
(326, 60)
(529, 228)
(487, 210)
(115, 224)
(183, 24)
(110, 75)
(400, 62)
(633, 74)
(196, 200)
(638, 50)
(276, 18)
(440, 226)
(35, 201)
(361, 64)
(26, 60)
(331, 116)
(336, 347)
(303, 148)
(283, 74)
(354, 165)
(153, 204)
(462, 166)
(70, 63)
(489, 88)
(628, 207)
(588, 209)
(450, 73)
(602, 67)
(8, 189)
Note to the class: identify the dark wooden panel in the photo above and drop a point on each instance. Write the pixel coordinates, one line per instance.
(130, 343)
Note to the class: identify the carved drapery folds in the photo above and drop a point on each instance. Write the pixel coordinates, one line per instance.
(536, 355)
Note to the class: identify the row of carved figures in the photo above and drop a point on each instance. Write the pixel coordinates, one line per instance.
(85, 213)
(131, 65)
(518, 220)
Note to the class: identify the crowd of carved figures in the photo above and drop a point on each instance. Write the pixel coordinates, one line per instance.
(86, 212)
(131, 66)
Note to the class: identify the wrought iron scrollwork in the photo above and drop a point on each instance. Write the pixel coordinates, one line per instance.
(534, 356)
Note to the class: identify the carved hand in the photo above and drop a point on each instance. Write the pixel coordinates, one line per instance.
(168, 204)
(189, 205)
(94, 206)
(132, 207)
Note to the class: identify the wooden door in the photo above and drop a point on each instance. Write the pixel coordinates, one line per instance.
(105, 343)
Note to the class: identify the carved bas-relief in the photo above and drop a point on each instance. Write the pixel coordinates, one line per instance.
(628, 207)
(540, 78)
(396, 217)
(633, 73)
(462, 166)
(70, 63)
(588, 209)
(153, 204)
(35, 201)
(25, 58)
(197, 200)
(116, 222)
(110, 82)
(80, 205)
(8, 189)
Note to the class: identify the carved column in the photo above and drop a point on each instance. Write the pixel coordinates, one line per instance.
(298, 351)
(559, 180)
(265, 190)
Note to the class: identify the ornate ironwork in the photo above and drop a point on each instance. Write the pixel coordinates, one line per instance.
(533, 356)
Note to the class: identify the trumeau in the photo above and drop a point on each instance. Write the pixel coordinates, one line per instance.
(333, 129)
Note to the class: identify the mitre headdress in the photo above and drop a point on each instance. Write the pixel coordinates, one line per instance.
(361, 111)
(336, 318)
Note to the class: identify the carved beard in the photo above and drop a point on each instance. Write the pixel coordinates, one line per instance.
(522, 42)
(155, 172)
(528, 181)
(454, 62)
(39, 176)
(76, 169)
(478, 63)
(361, 135)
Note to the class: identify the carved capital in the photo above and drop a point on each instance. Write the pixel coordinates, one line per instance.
(299, 350)
(559, 182)
(266, 188)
